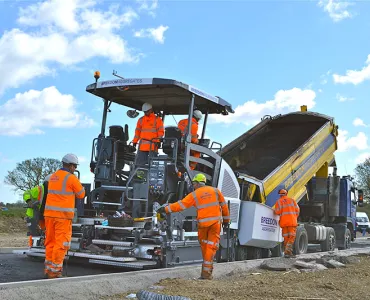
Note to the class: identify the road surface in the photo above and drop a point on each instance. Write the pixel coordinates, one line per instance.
(15, 267)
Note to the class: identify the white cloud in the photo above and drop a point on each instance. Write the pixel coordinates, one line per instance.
(284, 101)
(63, 33)
(82, 159)
(336, 9)
(345, 143)
(353, 76)
(324, 78)
(359, 122)
(28, 112)
(342, 98)
(148, 5)
(362, 157)
(157, 34)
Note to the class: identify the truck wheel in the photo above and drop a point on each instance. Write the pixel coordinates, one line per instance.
(241, 253)
(301, 241)
(329, 244)
(254, 253)
(347, 240)
(278, 251)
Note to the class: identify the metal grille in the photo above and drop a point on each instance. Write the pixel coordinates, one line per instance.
(234, 212)
(228, 187)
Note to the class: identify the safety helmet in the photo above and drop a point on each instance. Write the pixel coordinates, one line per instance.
(200, 178)
(283, 192)
(146, 107)
(197, 114)
(70, 159)
(47, 177)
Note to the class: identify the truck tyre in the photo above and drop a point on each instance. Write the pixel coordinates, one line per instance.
(278, 251)
(329, 243)
(254, 253)
(347, 240)
(241, 253)
(301, 241)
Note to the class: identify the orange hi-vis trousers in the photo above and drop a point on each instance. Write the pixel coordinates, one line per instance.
(209, 238)
(42, 227)
(289, 238)
(57, 242)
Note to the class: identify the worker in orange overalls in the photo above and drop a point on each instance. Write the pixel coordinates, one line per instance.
(209, 203)
(183, 126)
(148, 127)
(288, 210)
(63, 187)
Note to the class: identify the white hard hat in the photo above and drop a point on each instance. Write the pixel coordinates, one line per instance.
(47, 177)
(70, 159)
(197, 114)
(146, 107)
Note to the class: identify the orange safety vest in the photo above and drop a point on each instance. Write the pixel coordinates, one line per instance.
(183, 126)
(62, 190)
(148, 128)
(288, 210)
(208, 201)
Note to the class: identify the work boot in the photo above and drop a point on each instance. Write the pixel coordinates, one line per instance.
(206, 276)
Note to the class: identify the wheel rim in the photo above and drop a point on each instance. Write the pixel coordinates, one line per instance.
(301, 244)
(348, 241)
(331, 242)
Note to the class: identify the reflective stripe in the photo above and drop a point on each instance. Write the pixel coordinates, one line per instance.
(56, 208)
(54, 192)
(57, 266)
(290, 213)
(208, 262)
(216, 191)
(207, 269)
(226, 218)
(48, 262)
(80, 192)
(66, 244)
(209, 205)
(210, 219)
(53, 269)
(196, 199)
(222, 204)
(169, 209)
(148, 130)
(182, 205)
(288, 205)
(208, 242)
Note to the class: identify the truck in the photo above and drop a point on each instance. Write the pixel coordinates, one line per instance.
(293, 151)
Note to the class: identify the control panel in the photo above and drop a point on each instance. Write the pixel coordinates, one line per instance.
(156, 177)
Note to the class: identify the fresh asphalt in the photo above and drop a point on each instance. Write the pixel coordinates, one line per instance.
(15, 267)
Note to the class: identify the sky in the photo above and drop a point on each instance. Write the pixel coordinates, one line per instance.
(264, 57)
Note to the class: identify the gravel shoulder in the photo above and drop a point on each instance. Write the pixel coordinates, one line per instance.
(351, 282)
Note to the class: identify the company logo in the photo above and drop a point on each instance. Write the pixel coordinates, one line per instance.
(268, 224)
(122, 82)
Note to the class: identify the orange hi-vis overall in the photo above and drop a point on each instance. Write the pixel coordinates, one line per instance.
(183, 126)
(288, 210)
(210, 205)
(58, 213)
(148, 128)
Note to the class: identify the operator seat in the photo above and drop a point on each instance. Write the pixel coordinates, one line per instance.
(172, 132)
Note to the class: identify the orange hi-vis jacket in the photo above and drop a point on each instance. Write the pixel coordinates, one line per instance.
(183, 126)
(208, 201)
(148, 128)
(288, 210)
(62, 190)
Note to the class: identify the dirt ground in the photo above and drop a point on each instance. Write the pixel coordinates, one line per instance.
(351, 282)
(13, 232)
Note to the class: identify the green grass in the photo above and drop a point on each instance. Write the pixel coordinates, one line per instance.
(14, 212)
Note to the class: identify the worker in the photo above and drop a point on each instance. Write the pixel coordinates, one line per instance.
(34, 198)
(288, 210)
(64, 186)
(209, 203)
(148, 127)
(183, 126)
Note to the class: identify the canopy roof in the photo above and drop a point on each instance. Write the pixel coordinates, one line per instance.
(167, 95)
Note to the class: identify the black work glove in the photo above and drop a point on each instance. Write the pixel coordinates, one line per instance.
(225, 226)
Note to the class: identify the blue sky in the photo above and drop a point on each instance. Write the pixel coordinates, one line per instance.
(264, 57)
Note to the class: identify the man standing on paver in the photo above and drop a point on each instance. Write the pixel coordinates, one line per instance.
(63, 188)
(288, 210)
